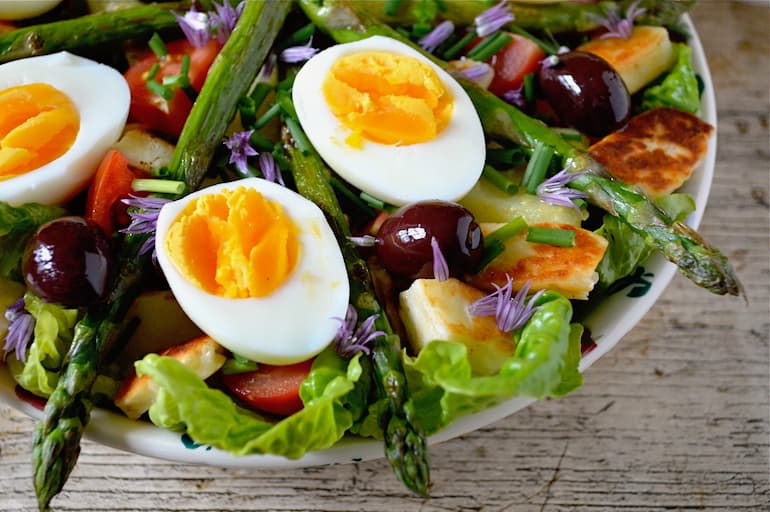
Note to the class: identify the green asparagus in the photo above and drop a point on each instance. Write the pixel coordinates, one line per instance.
(701, 263)
(87, 31)
(405, 446)
(57, 438)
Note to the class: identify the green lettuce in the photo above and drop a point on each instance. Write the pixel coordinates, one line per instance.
(442, 386)
(17, 224)
(626, 249)
(54, 326)
(334, 395)
(679, 88)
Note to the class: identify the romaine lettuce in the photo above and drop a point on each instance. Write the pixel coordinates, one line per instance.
(679, 88)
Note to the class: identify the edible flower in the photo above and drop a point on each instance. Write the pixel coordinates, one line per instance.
(21, 325)
(224, 20)
(353, 337)
(363, 241)
(554, 190)
(195, 27)
(240, 150)
(476, 71)
(515, 96)
(269, 169)
(437, 36)
(493, 19)
(510, 312)
(621, 27)
(144, 212)
(295, 54)
(440, 267)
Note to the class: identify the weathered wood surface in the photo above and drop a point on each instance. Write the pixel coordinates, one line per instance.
(673, 418)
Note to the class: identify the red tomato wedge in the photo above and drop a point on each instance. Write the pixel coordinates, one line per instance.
(168, 117)
(511, 64)
(273, 389)
(111, 183)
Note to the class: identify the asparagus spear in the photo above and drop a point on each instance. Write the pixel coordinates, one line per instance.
(87, 31)
(405, 447)
(701, 263)
(57, 437)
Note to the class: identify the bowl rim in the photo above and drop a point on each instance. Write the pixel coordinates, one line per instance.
(116, 431)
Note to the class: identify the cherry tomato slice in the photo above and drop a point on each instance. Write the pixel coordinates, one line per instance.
(511, 64)
(111, 183)
(273, 389)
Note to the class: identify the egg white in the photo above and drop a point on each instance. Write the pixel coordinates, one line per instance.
(23, 9)
(293, 323)
(444, 168)
(100, 95)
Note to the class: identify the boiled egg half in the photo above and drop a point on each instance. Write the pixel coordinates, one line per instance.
(23, 9)
(257, 267)
(60, 114)
(390, 122)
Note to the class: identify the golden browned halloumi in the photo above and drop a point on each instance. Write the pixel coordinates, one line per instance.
(657, 150)
(438, 310)
(144, 150)
(640, 59)
(570, 271)
(202, 355)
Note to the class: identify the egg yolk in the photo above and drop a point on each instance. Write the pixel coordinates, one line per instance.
(38, 124)
(387, 98)
(235, 243)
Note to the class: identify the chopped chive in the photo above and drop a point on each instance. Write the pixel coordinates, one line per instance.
(260, 92)
(506, 157)
(391, 7)
(570, 134)
(357, 201)
(457, 48)
(489, 253)
(156, 88)
(300, 36)
(420, 30)
(300, 139)
(247, 110)
(158, 186)
(267, 116)
(548, 47)
(537, 167)
(287, 83)
(182, 80)
(528, 87)
(375, 203)
(153, 72)
(260, 142)
(490, 46)
(506, 231)
(238, 364)
(551, 236)
(499, 180)
(157, 46)
(283, 98)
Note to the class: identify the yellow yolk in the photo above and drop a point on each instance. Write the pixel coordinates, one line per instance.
(235, 243)
(38, 124)
(387, 98)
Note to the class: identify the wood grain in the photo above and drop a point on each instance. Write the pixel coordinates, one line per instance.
(674, 418)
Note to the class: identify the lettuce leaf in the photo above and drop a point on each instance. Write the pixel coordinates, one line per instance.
(17, 224)
(443, 387)
(333, 394)
(626, 249)
(679, 88)
(54, 327)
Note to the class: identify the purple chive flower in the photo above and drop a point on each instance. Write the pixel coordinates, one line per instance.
(144, 212)
(510, 312)
(554, 190)
(295, 54)
(476, 71)
(515, 97)
(363, 241)
(240, 149)
(225, 18)
(269, 169)
(21, 326)
(438, 35)
(493, 19)
(266, 73)
(440, 267)
(195, 26)
(353, 337)
(621, 27)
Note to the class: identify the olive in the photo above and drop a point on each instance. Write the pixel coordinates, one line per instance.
(68, 261)
(404, 239)
(585, 92)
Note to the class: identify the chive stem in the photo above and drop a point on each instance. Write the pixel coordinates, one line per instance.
(158, 186)
(489, 46)
(157, 46)
(499, 180)
(537, 167)
(489, 253)
(260, 142)
(267, 116)
(300, 36)
(507, 157)
(506, 231)
(391, 7)
(300, 139)
(528, 88)
(343, 189)
(375, 203)
(551, 236)
(457, 48)
(283, 98)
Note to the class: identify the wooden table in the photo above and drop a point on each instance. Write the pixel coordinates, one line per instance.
(674, 418)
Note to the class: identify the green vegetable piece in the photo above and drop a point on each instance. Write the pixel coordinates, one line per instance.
(679, 88)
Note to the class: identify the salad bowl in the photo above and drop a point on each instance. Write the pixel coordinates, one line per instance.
(608, 321)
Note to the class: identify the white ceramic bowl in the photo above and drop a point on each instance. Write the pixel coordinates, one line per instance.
(608, 323)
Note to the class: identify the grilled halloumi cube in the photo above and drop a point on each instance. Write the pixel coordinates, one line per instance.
(640, 59)
(144, 150)
(570, 271)
(438, 310)
(657, 150)
(202, 355)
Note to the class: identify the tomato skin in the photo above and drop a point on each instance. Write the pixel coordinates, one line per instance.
(168, 117)
(111, 183)
(511, 64)
(273, 389)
